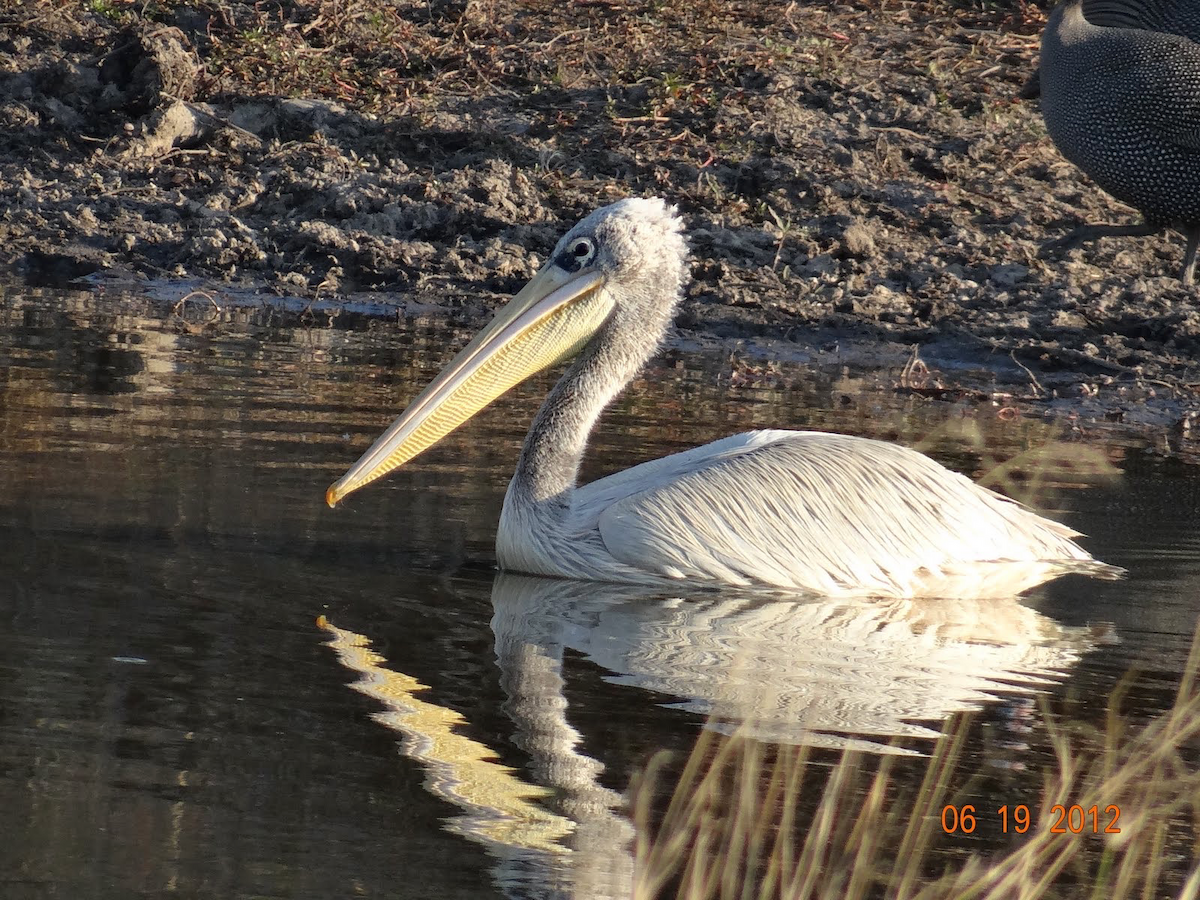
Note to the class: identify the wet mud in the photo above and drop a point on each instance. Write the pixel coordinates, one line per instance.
(860, 179)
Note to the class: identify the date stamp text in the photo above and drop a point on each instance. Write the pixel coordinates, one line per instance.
(1061, 820)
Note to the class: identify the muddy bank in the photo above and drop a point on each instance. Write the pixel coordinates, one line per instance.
(853, 173)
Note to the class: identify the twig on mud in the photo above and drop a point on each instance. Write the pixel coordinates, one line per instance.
(102, 153)
(1079, 356)
(181, 151)
(1171, 386)
(915, 375)
(896, 129)
(554, 40)
(181, 305)
(135, 190)
(784, 225)
(1037, 385)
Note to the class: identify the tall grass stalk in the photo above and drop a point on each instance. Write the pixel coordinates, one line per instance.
(736, 824)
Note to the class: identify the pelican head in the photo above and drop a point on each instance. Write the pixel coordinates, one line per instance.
(611, 283)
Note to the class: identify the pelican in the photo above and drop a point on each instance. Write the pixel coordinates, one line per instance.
(804, 511)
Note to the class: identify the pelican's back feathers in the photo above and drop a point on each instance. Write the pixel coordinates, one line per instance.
(828, 513)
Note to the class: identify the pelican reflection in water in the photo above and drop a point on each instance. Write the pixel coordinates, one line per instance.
(881, 676)
(828, 513)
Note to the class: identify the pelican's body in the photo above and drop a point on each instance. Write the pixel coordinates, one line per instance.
(828, 513)
(824, 513)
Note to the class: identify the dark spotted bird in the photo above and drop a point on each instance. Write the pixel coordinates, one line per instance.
(1120, 88)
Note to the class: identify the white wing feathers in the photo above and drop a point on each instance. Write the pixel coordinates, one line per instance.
(822, 512)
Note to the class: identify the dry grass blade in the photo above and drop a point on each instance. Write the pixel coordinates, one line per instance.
(739, 823)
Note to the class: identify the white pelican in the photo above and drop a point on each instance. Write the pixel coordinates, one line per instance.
(810, 511)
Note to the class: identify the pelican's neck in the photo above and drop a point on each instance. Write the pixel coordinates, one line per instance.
(549, 464)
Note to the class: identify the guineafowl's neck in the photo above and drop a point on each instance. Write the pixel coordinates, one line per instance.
(1067, 23)
(1108, 13)
(1180, 17)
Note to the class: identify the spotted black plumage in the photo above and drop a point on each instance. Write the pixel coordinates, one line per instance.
(1120, 89)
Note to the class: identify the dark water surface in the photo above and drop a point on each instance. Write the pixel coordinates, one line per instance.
(174, 721)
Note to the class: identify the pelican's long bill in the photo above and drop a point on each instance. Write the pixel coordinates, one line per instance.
(548, 321)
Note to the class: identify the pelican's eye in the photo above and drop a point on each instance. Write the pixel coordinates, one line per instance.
(580, 252)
